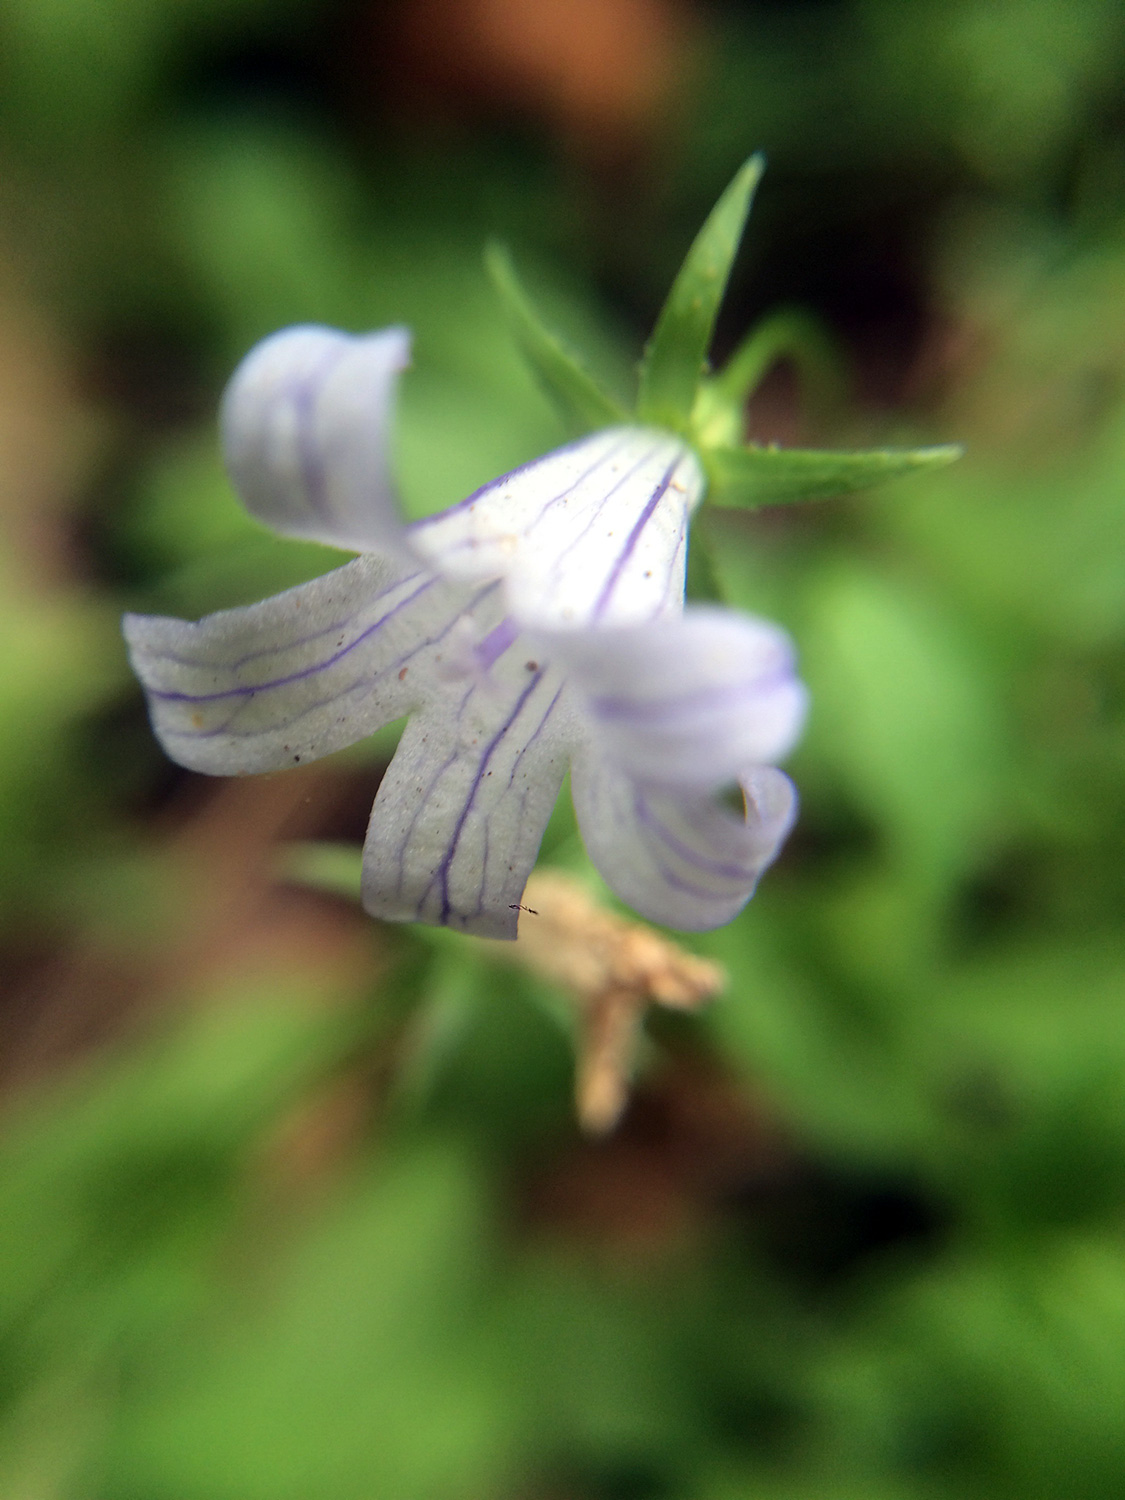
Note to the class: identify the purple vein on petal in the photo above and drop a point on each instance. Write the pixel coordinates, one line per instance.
(596, 501)
(494, 484)
(441, 874)
(304, 396)
(597, 508)
(249, 690)
(689, 705)
(633, 538)
(424, 797)
(225, 729)
(677, 882)
(535, 733)
(648, 819)
(404, 845)
(483, 886)
(489, 650)
(674, 578)
(606, 458)
(594, 505)
(176, 659)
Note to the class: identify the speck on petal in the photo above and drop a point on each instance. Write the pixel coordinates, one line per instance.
(461, 811)
(299, 675)
(596, 531)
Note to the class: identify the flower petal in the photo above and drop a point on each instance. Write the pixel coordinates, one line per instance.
(682, 859)
(688, 702)
(306, 421)
(596, 531)
(300, 675)
(461, 811)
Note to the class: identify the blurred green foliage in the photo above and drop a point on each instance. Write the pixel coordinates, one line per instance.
(314, 1229)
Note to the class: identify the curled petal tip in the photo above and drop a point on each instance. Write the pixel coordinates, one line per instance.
(306, 424)
(681, 857)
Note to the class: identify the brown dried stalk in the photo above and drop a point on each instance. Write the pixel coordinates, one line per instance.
(612, 968)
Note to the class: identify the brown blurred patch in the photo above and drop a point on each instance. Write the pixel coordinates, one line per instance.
(612, 968)
(602, 74)
(211, 916)
(692, 1138)
(220, 922)
(48, 442)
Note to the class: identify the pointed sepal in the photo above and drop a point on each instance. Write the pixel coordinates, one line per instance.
(674, 358)
(753, 476)
(581, 402)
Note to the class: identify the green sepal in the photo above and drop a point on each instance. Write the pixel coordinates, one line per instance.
(791, 335)
(675, 355)
(579, 399)
(753, 476)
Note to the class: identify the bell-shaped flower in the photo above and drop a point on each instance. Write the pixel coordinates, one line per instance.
(537, 625)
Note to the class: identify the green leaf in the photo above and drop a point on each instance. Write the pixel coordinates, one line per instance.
(678, 348)
(581, 401)
(906, 719)
(749, 477)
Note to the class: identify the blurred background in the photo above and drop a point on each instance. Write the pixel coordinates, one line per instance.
(294, 1205)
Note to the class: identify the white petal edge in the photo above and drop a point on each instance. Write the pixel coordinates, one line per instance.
(300, 675)
(687, 702)
(684, 860)
(306, 421)
(594, 532)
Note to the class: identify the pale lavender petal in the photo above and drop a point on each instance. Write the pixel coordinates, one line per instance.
(596, 531)
(461, 811)
(685, 860)
(306, 426)
(302, 674)
(687, 702)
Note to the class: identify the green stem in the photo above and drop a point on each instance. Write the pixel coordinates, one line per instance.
(799, 338)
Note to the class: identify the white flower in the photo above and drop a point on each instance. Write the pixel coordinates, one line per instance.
(539, 623)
